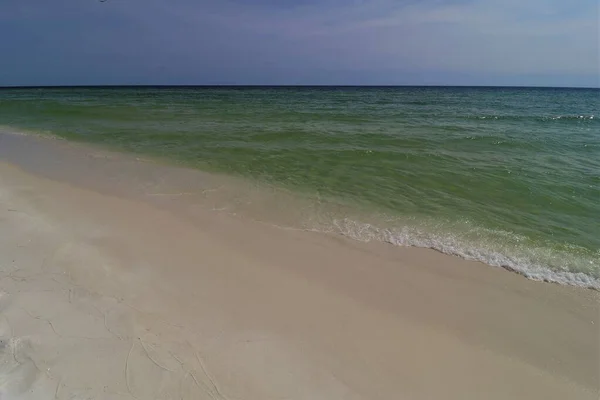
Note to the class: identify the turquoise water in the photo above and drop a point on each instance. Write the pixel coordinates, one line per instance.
(508, 176)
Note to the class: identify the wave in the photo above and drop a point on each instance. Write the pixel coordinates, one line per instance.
(487, 253)
(571, 117)
(47, 134)
(543, 118)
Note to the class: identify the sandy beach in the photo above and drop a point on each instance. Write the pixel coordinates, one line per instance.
(113, 285)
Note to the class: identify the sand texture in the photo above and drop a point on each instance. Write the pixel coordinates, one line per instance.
(108, 296)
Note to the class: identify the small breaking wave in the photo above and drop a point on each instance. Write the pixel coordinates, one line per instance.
(47, 134)
(544, 118)
(570, 117)
(488, 253)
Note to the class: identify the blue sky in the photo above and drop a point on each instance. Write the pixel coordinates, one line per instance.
(364, 42)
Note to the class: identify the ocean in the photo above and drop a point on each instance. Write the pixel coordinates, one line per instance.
(506, 176)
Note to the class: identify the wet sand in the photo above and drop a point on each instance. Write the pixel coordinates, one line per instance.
(123, 279)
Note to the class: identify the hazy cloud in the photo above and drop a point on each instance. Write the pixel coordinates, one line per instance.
(538, 42)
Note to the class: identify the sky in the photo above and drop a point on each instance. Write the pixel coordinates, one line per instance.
(302, 42)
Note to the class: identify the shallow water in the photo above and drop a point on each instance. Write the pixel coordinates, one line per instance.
(510, 177)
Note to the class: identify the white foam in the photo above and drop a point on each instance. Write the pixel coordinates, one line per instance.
(10, 130)
(523, 265)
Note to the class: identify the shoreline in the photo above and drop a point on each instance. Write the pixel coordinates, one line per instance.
(253, 200)
(159, 295)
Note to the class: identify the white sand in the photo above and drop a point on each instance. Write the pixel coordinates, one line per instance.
(103, 297)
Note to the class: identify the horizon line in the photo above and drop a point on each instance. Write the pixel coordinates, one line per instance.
(287, 86)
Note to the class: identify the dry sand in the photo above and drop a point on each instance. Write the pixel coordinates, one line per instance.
(107, 296)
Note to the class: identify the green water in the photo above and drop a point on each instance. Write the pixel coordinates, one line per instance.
(507, 176)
